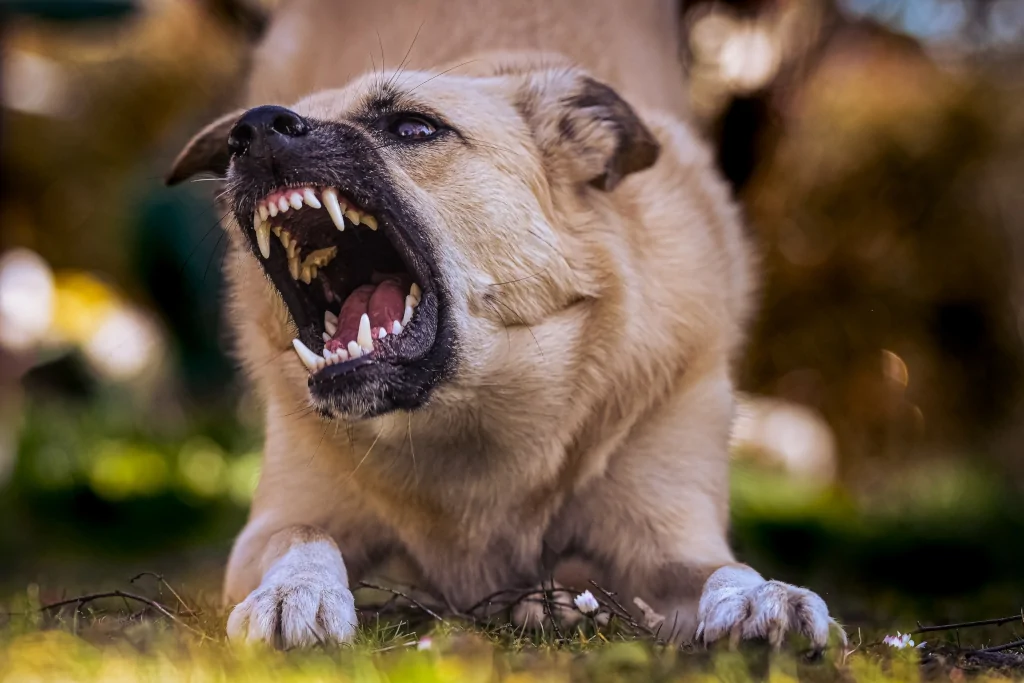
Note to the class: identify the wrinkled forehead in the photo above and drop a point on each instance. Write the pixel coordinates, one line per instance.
(467, 101)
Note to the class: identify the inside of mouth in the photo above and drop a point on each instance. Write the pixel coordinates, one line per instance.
(331, 262)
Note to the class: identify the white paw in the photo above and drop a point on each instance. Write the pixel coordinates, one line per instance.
(294, 612)
(737, 602)
(533, 609)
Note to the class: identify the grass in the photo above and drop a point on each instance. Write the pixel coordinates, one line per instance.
(116, 639)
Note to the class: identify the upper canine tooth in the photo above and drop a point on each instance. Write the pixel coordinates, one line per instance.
(308, 358)
(295, 200)
(352, 215)
(282, 204)
(263, 212)
(330, 197)
(272, 209)
(263, 238)
(310, 198)
(364, 336)
(370, 222)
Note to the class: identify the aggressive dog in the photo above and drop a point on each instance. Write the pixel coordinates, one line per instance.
(490, 300)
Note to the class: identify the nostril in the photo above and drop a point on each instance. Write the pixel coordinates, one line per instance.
(240, 138)
(289, 123)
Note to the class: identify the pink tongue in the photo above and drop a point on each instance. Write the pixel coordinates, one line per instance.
(383, 302)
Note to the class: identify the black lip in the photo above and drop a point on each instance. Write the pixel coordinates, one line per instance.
(403, 372)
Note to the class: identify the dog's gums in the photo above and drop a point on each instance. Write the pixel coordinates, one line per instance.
(362, 286)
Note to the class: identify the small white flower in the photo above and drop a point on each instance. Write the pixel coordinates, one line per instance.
(424, 643)
(586, 602)
(901, 641)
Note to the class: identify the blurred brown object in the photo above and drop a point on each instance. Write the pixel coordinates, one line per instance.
(881, 186)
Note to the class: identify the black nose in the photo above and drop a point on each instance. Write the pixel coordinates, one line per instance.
(263, 127)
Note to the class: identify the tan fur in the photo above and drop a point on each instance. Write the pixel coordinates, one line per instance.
(591, 408)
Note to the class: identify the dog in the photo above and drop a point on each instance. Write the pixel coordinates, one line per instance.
(490, 298)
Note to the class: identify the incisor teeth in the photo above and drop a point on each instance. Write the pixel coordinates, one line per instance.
(406, 316)
(396, 328)
(352, 215)
(295, 200)
(293, 267)
(330, 197)
(282, 204)
(263, 238)
(263, 212)
(383, 333)
(311, 199)
(370, 222)
(354, 351)
(272, 209)
(364, 336)
(341, 354)
(308, 358)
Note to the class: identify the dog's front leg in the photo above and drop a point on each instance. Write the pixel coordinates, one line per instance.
(303, 596)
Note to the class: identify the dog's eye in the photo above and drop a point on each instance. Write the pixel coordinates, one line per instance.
(411, 128)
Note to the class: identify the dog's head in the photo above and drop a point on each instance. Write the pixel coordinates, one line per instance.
(407, 219)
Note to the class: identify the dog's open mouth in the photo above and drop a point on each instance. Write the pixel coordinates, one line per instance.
(353, 283)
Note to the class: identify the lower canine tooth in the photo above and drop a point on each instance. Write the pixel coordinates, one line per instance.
(407, 316)
(308, 358)
(330, 197)
(263, 238)
(365, 336)
(353, 350)
(411, 301)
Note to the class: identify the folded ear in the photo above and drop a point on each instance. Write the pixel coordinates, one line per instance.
(207, 152)
(584, 129)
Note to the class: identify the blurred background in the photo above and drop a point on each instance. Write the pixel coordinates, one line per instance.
(877, 147)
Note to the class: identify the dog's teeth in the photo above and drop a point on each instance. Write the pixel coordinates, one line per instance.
(327, 337)
(352, 215)
(370, 222)
(284, 236)
(383, 333)
(330, 322)
(308, 358)
(407, 315)
(415, 292)
(396, 328)
(330, 197)
(293, 267)
(365, 336)
(295, 200)
(411, 301)
(263, 212)
(341, 355)
(263, 238)
(306, 275)
(354, 351)
(277, 230)
(272, 209)
(311, 199)
(282, 204)
(293, 248)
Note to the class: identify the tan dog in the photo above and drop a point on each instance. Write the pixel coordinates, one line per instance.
(516, 292)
